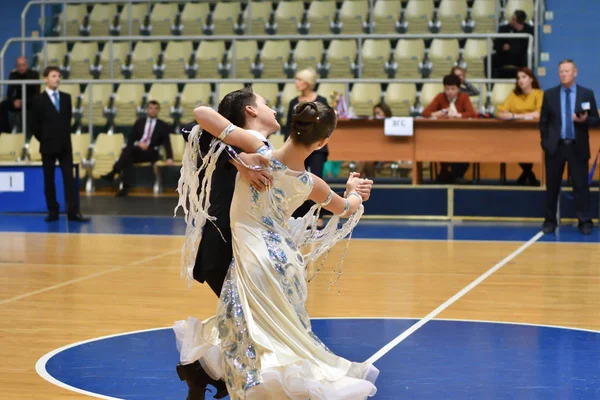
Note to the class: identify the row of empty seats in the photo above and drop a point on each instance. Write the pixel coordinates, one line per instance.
(128, 100)
(285, 17)
(381, 58)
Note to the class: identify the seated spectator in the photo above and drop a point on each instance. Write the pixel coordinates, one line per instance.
(524, 102)
(452, 103)
(14, 95)
(510, 54)
(142, 146)
(465, 86)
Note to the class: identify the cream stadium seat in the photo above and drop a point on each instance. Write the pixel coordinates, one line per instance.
(162, 17)
(353, 14)
(143, 59)
(400, 97)
(74, 90)
(451, 14)
(101, 94)
(375, 53)
(225, 16)
(524, 5)
(101, 19)
(480, 101)
(417, 14)
(107, 149)
(428, 93)
(443, 54)
(274, 55)
(308, 53)
(483, 14)
(120, 52)
(81, 58)
(340, 56)
(363, 97)
(261, 12)
(165, 94)
(245, 55)
(328, 89)
(193, 18)
(408, 55)
(474, 54)
(269, 91)
(138, 13)
(385, 15)
(80, 144)
(55, 53)
(287, 17)
(193, 95)
(74, 15)
(500, 92)
(208, 56)
(175, 59)
(224, 88)
(320, 16)
(128, 99)
(11, 145)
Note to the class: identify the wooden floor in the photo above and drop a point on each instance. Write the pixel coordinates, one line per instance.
(56, 289)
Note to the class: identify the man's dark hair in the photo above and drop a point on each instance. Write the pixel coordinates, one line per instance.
(452, 80)
(154, 103)
(49, 69)
(520, 16)
(233, 105)
(567, 61)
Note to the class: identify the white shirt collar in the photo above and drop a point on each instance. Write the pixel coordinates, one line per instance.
(258, 135)
(51, 92)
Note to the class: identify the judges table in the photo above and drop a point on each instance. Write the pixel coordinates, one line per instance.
(472, 141)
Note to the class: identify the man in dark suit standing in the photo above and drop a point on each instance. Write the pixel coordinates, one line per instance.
(142, 146)
(51, 126)
(14, 94)
(568, 110)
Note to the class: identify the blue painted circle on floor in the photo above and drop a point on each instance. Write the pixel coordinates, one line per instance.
(442, 360)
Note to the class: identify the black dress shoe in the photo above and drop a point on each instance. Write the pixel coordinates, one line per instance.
(197, 379)
(77, 218)
(586, 227)
(51, 217)
(548, 227)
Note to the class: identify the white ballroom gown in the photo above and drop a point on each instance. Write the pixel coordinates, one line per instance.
(261, 342)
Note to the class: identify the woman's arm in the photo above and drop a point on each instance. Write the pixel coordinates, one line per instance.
(322, 194)
(211, 121)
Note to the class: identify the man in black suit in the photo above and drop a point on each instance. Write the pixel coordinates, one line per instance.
(248, 110)
(510, 54)
(51, 126)
(14, 95)
(568, 110)
(142, 146)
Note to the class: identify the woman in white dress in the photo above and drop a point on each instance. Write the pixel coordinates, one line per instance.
(261, 342)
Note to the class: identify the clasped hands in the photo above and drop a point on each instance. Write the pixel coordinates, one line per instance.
(262, 179)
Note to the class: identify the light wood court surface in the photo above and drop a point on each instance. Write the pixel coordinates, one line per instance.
(57, 289)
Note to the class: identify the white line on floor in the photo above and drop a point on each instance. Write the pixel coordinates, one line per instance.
(385, 349)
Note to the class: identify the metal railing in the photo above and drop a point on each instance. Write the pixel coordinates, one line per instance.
(538, 6)
(92, 82)
(234, 39)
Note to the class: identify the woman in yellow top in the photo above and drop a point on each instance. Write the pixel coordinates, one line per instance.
(524, 102)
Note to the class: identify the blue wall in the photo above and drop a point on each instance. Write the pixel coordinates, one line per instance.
(10, 19)
(574, 35)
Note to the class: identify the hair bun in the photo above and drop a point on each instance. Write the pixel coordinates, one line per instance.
(305, 117)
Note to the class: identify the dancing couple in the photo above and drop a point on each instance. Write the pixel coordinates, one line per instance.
(238, 196)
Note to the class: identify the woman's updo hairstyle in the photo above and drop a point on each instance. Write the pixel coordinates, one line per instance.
(312, 121)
